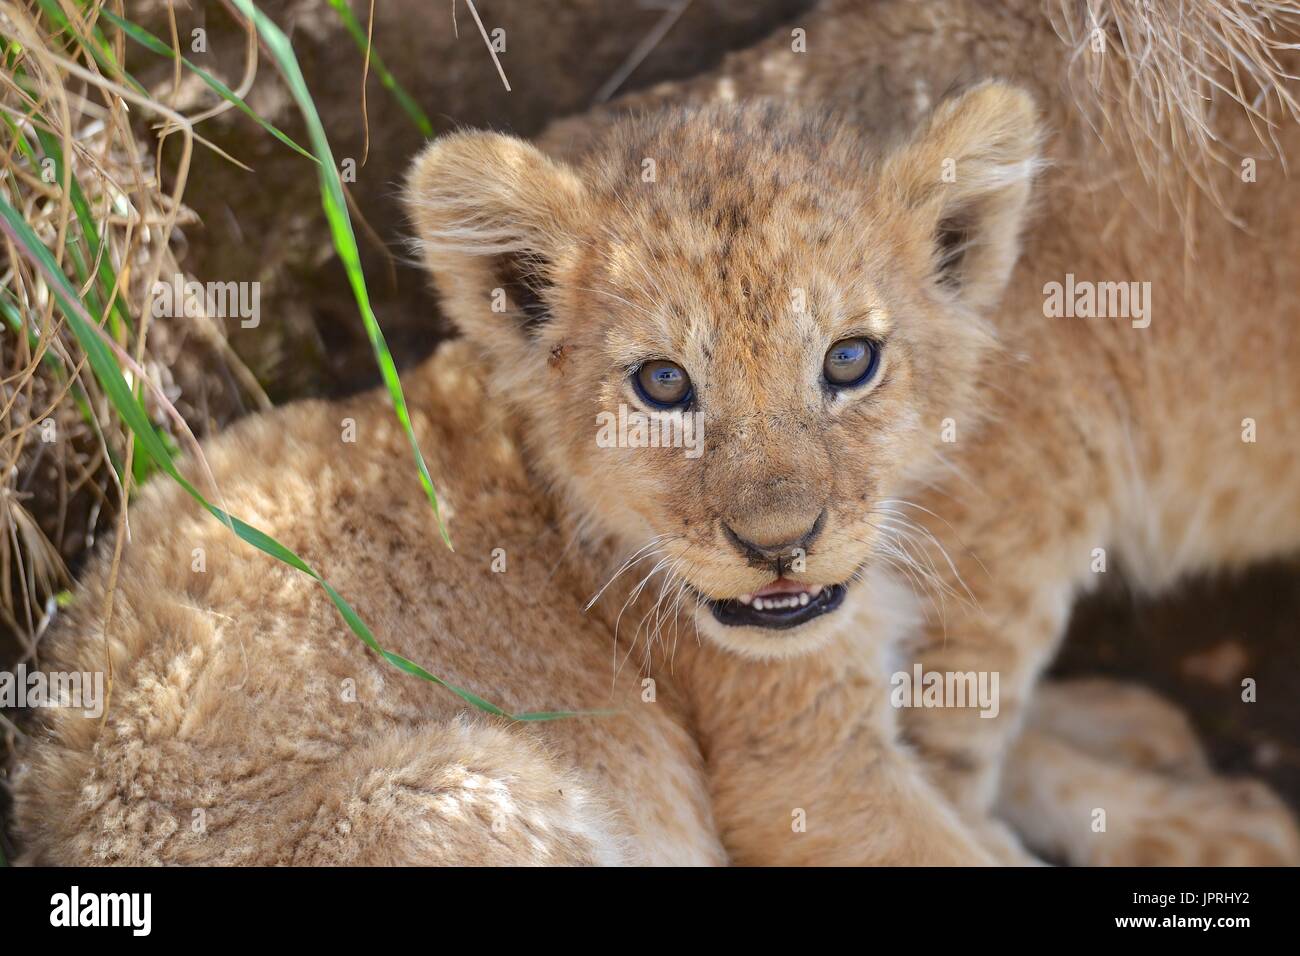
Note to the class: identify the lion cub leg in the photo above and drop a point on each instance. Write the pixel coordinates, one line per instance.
(1005, 644)
(804, 766)
(463, 794)
(1108, 774)
(455, 792)
(1121, 723)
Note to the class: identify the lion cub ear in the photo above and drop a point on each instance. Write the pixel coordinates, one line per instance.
(492, 217)
(968, 173)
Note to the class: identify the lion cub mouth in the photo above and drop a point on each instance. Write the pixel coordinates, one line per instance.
(779, 605)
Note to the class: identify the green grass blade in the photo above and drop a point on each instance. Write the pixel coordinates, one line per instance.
(345, 240)
(99, 47)
(52, 147)
(24, 147)
(118, 318)
(155, 45)
(13, 317)
(389, 82)
(132, 413)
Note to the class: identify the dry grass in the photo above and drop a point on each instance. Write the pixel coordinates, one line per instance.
(1168, 80)
(67, 464)
(89, 372)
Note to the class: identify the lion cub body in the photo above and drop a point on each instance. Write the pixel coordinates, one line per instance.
(248, 725)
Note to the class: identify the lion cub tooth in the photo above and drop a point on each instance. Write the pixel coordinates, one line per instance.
(803, 600)
(746, 599)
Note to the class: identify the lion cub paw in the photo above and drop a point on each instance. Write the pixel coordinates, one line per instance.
(1072, 805)
(1215, 822)
(1121, 723)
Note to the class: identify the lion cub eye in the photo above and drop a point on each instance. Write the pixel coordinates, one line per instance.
(850, 362)
(663, 384)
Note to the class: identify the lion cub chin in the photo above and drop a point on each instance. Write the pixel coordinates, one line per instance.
(761, 643)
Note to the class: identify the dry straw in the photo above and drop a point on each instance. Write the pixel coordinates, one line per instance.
(97, 394)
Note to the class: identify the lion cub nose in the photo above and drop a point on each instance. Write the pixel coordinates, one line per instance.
(769, 538)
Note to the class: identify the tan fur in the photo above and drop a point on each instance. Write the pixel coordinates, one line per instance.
(1072, 434)
(1109, 773)
(230, 685)
(1087, 433)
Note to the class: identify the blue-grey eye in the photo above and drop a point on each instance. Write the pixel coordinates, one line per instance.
(662, 384)
(850, 362)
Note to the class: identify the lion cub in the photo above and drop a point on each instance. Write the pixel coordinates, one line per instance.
(772, 279)
(817, 302)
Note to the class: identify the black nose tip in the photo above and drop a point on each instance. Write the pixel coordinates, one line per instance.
(768, 553)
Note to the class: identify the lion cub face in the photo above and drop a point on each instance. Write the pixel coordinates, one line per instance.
(733, 334)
